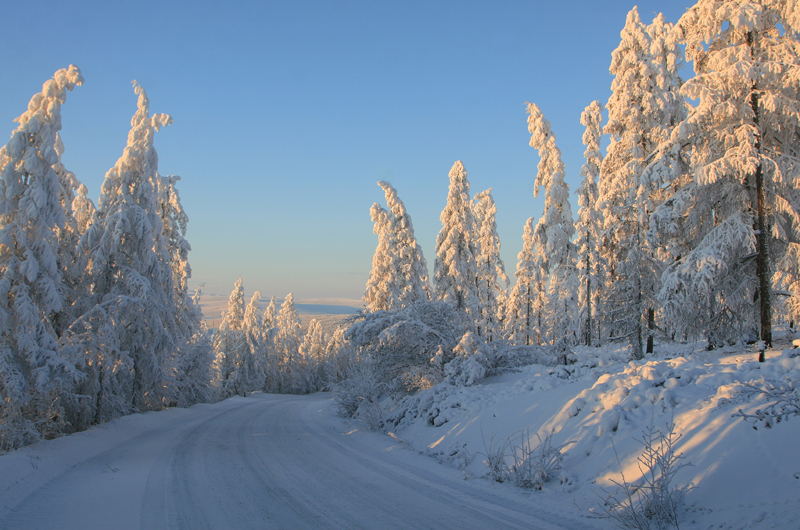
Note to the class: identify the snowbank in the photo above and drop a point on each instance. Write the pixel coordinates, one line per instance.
(598, 409)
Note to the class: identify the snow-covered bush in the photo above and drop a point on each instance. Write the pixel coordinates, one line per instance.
(468, 367)
(360, 387)
(401, 344)
(506, 357)
(655, 504)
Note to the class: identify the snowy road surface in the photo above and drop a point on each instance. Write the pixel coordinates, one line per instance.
(265, 461)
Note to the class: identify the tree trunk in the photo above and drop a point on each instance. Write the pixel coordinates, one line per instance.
(588, 294)
(636, 342)
(762, 257)
(651, 325)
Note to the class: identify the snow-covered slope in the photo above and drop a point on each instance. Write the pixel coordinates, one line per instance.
(599, 408)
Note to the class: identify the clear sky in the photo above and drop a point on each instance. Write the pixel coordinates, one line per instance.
(288, 113)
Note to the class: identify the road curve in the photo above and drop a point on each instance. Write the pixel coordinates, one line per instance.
(259, 462)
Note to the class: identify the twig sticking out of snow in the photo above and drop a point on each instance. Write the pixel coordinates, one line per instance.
(655, 504)
(785, 402)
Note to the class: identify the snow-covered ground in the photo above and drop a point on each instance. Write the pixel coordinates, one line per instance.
(265, 461)
(270, 461)
(599, 408)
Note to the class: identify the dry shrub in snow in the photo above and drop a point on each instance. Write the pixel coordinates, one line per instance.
(655, 503)
(531, 467)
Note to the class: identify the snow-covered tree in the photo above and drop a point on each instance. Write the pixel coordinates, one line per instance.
(174, 222)
(130, 262)
(643, 107)
(253, 358)
(589, 226)
(311, 358)
(397, 346)
(412, 269)
(33, 209)
(340, 355)
(230, 342)
(468, 366)
(399, 275)
(524, 312)
(554, 232)
(379, 293)
(490, 267)
(456, 267)
(740, 146)
(190, 364)
(83, 209)
(287, 345)
(272, 358)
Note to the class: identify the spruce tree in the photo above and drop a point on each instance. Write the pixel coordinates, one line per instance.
(456, 272)
(287, 345)
(34, 209)
(409, 265)
(490, 267)
(130, 271)
(589, 226)
(399, 274)
(230, 343)
(554, 233)
(524, 323)
(643, 107)
(739, 144)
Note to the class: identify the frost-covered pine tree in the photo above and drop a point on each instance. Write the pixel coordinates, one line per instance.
(174, 223)
(740, 145)
(311, 358)
(554, 232)
(490, 267)
(589, 226)
(643, 106)
(189, 366)
(272, 359)
(32, 212)
(456, 267)
(287, 345)
(379, 292)
(252, 360)
(75, 258)
(340, 357)
(399, 275)
(409, 263)
(229, 344)
(71, 262)
(493, 294)
(130, 271)
(524, 322)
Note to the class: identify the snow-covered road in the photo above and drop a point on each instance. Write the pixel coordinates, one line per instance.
(265, 461)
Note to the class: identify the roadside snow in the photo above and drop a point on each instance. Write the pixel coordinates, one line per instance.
(598, 409)
(286, 461)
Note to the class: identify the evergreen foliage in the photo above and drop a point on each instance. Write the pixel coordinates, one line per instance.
(456, 268)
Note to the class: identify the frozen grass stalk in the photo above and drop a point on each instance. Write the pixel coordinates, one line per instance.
(655, 504)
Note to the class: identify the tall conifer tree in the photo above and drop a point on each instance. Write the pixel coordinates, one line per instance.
(456, 267)
(34, 208)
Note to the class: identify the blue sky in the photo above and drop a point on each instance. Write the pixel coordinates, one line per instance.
(288, 113)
